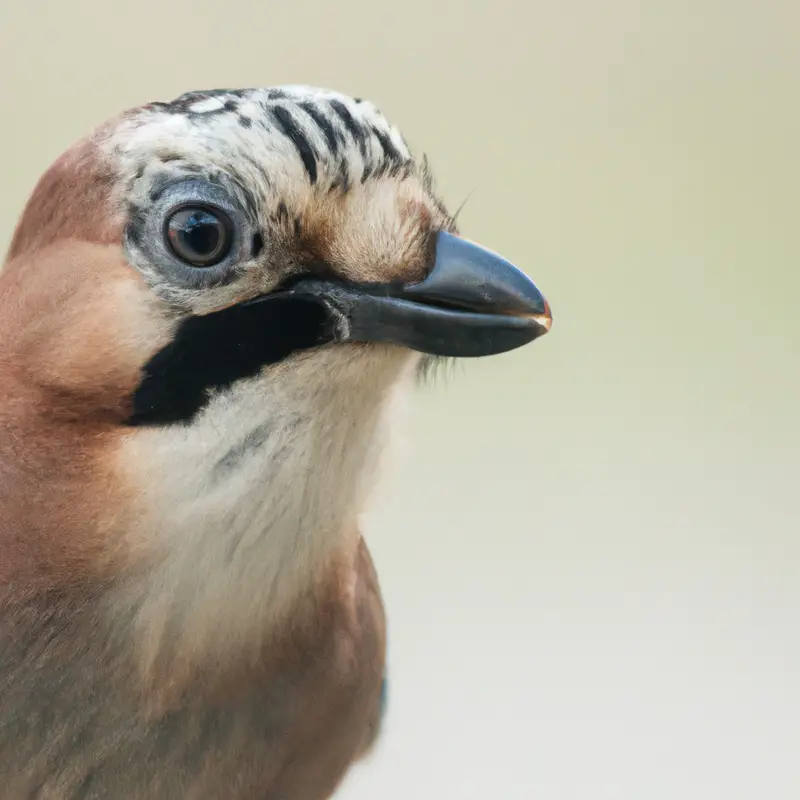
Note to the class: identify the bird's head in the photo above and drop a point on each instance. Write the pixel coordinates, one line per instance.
(208, 307)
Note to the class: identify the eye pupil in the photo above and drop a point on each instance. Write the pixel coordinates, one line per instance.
(202, 232)
(199, 236)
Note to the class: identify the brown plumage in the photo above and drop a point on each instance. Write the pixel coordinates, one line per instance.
(187, 608)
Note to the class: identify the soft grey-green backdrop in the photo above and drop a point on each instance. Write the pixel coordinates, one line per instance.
(589, 549)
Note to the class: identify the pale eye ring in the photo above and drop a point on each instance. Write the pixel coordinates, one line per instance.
(198, 234)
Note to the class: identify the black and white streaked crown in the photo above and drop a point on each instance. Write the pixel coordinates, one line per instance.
(336, 139)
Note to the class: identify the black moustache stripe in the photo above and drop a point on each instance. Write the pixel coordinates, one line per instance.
(213, 351)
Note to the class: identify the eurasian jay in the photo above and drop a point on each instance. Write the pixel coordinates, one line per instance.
(208, 310)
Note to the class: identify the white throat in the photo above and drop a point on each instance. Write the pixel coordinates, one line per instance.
(247, 505)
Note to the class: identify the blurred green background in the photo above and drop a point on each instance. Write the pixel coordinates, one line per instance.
(590, 548)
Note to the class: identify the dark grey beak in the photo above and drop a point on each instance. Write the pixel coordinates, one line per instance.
(473, 303)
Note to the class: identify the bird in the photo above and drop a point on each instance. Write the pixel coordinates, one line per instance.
(210, 310)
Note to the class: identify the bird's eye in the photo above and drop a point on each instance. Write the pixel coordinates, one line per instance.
(199, 235)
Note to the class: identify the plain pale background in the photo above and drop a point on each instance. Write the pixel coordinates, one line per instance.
(589, 548)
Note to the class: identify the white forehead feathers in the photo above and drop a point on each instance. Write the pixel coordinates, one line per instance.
(286, 140)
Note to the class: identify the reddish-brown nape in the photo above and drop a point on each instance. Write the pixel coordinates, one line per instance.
(72, 200)
(76, 323)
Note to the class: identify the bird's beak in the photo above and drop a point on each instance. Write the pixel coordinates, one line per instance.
(472, 303)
